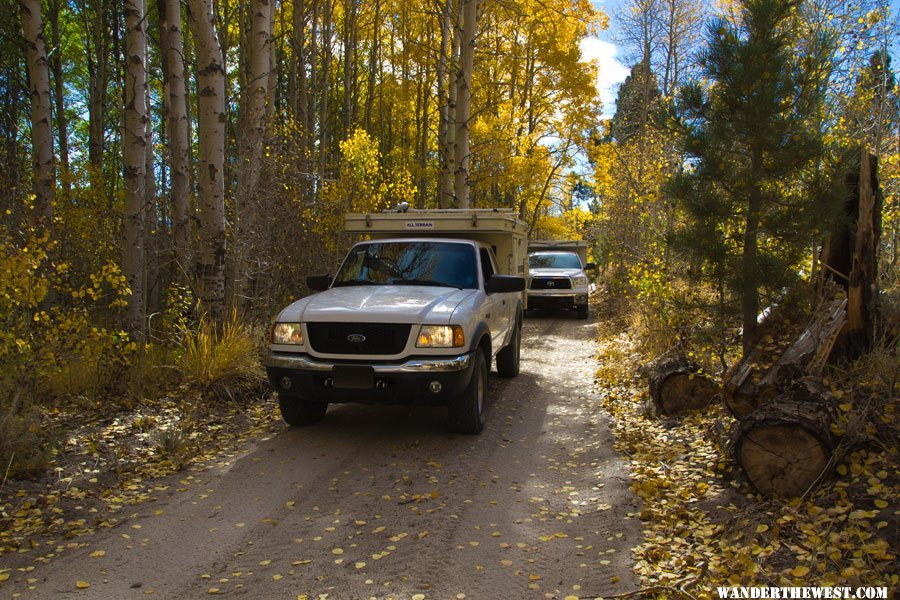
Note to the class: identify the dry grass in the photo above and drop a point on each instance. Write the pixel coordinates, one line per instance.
(222, 365)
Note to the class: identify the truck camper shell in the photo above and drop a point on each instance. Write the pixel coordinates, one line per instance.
(497, 227)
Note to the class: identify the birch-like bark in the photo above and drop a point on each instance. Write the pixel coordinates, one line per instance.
(324, 108)
(253, 111)
(445, 183)
(134, 161)
(62, 123)
(39, 90)
(373, 66)
(464, 100)
(177, 120)
(97, 51)
(211, 158)
(301, 107)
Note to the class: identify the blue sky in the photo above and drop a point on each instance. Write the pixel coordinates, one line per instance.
(609, 57)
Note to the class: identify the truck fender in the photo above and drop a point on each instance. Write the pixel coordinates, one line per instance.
(518, 316)
(482, 336)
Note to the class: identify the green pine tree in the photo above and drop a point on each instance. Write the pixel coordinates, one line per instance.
(750, 190)
(636, 103)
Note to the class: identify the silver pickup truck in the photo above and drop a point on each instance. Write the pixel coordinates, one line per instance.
(405, 319)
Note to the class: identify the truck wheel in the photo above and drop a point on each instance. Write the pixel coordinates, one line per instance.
(508, 357)
(297, 412)
(582, 312)
(466, 411)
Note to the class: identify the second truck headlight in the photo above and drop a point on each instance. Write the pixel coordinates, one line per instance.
(440, 336)
(579, 281)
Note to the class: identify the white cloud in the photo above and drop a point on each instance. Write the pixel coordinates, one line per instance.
(610, 72)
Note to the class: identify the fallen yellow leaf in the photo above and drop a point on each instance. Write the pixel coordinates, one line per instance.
(800, 571)
(82, 585)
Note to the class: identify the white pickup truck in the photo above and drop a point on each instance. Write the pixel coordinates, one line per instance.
(418, 312)
(557, 275)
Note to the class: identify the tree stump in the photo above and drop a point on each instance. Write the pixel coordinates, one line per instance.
(784, 448)
(676, 386)
(850, 254)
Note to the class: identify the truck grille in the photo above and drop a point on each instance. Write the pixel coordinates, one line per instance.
(551, 283)
(358, 338)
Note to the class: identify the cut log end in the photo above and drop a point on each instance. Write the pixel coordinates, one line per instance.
(782, 460)
(677, 387)
(784, 447)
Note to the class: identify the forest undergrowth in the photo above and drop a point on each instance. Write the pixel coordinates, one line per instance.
(95, 456)
(705, 527)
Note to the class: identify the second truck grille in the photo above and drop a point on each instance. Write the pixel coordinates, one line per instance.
(551, 283)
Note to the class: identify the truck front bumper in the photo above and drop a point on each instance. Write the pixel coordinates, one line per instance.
(557, 300)
(427, 380)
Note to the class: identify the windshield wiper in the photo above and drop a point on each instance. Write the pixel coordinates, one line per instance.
(355, 282)
(432, 282)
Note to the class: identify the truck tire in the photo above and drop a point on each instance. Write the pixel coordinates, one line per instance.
(466, 411)
(508, 357)
(582, 312)
(297, 412)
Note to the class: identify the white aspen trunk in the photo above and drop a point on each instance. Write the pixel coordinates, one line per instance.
(445, 184)
(98, 47)
(211, 158)
(39, 89)
(151, 200)
(325, 82)
(134, 161)
(464, 101)
(252, 119)
(179, 160)
(62, 122)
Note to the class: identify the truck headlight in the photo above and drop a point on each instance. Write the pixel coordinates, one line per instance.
(579, 281)
(440, 336)
(287, 333)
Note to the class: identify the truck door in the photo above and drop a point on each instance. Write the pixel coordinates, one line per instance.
(497, 305)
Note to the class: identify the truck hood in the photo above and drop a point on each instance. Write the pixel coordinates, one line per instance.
(555, 272)
(379, 304)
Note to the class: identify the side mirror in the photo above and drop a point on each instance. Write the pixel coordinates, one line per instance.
(590, 266)
(318, 283)
(504, 284)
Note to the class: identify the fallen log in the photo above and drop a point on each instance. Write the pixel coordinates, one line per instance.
(677, 386)
(748, 387)
(784, 448)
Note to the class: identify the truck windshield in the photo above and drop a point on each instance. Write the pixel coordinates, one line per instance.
(554, 260)
(409, 263)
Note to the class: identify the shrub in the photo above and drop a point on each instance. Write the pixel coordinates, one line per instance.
(24, 444)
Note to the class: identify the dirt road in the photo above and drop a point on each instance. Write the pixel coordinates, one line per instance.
(384, 502)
